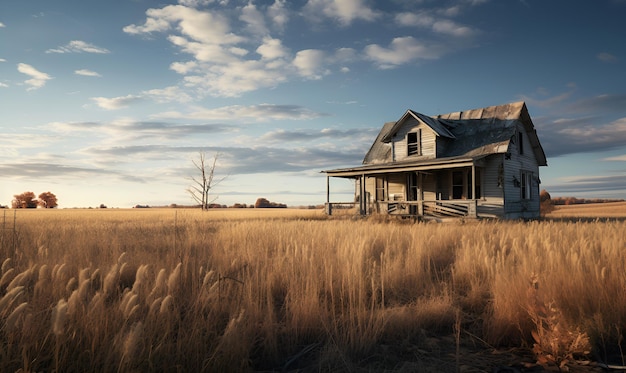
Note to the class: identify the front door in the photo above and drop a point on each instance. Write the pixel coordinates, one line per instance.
(457, 184)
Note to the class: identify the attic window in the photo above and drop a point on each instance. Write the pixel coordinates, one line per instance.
(520, 142)
(413, 140)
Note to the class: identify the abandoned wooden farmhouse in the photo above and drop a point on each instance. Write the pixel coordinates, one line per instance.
(476, 163)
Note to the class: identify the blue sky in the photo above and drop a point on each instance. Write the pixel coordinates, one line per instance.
(109, 102)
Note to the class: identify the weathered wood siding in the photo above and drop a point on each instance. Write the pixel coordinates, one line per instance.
(515, 206)
(492, 202)
(428, 141)
(397, 187)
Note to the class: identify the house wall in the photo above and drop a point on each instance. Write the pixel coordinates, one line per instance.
(428, 141)
(515, 206)
(492, 203)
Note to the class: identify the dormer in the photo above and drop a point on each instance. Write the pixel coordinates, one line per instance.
(415, 137)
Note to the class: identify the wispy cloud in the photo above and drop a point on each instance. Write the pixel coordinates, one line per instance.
(30, 170)
(116, 103)
(602, 103)
(79, 46)
(168, 94)
(435, 23)
(363, 135)
(127, 129)
(607, 57)
(589, 184)
(238, 160)
(619, 158)
(2, 25)
(85, 72)
(344, 11)
(401, 51)
(581, 135)
(257, 113)
(38, 78)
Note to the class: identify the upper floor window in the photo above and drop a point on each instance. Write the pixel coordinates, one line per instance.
(520, 141)
(413, 140)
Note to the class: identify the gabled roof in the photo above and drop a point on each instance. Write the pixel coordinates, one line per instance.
(471, 133)
(437, 126)
(379, 149)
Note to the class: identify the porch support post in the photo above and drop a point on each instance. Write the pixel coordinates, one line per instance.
(329, 209)
(420, 194)
(473, 206)
(363, 194)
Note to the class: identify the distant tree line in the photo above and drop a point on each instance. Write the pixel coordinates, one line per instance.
(581, 201)
(548, 203)
(264, 203)
(27, 200)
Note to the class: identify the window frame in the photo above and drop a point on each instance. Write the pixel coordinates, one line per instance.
(414, 147)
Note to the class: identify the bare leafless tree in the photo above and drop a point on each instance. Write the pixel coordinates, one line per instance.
(205, 181)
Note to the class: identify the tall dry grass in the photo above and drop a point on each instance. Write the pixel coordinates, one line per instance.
(166, 290)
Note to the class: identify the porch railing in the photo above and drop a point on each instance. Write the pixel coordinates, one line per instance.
(436, 209)
(453, 209)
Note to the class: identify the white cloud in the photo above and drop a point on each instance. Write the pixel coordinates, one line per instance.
(310, 63)
(237, 77)
(201, 26)
(79, 46)
(206, 52)
(345, 11)
(38, 80)
(3, 60)
(254, 19)
(2, 25)
(116, 103)
(401, 51)
(278, 14)
(183, 67)
(272, 49)
(222, 61)
(85, 72)
(3, 85)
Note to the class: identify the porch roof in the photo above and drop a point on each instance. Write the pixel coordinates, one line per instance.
(396, 167)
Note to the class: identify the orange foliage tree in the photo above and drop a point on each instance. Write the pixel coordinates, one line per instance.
(48, 200)
(546, 205)
(25, 200)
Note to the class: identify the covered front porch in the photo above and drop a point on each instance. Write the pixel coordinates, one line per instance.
(434, 189)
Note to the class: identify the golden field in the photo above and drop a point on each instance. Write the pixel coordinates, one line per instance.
(591, 210)
(270, 290)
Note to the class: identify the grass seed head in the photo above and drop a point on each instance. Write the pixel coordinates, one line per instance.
(6, 265)
(13, 319)
(59, 315)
